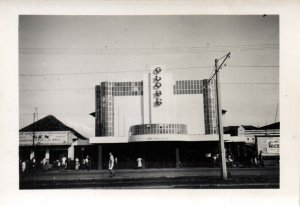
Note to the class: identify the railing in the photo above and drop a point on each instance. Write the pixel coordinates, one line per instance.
(158, 129)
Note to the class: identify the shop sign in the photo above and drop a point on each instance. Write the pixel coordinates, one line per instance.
(45, 138)
(268, 145)
(273, 146)
(157, 85)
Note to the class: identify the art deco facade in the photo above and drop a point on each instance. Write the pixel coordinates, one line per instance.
(156, 104)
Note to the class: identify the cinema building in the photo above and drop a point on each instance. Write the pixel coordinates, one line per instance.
(167, 123)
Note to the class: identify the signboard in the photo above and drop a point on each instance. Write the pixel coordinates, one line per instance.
(273, 146)
(268, 145)
(157, 85)
(158, 137)
(45, 138)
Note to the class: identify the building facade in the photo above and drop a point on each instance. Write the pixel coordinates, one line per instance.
(166, 122)
(155, 105)
(49, 138)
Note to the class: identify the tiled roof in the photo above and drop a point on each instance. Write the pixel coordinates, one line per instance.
(271, 126)
(249, 127)
(50, 123)
(232, 130)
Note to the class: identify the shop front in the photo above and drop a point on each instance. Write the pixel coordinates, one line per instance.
(166, 150)
(268, 147)
(51, 145)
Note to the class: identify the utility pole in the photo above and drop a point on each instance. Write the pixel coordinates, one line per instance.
(219, 112)
(276, 113)
(37, 116)
(33, 133)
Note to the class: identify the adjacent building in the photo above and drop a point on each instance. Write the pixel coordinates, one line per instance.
(49, 138)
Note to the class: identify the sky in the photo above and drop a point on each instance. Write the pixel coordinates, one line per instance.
(62, 58)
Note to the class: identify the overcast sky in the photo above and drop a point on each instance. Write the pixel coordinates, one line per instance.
(62, 58)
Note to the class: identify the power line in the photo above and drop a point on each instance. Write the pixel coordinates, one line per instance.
(255, 46)
(170, 50)
(92, 88)
(249, 83)
(254, 66)
(133, 71)
(176, 47)
(67, 89)
(60, 113)
(106, 72)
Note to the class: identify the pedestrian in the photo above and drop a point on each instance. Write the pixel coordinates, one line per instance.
(83, 163)
(64, 162)
(87, 163)
(111, 165)
(58, 164)
(255, 161)
(139, 161)
(215, 157)
(33, 165)
(44, 164)
(260, 158)
(116, 163)
(77, 164)
(229, 161)
(23, 166)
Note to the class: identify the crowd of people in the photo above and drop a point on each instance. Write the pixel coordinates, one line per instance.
(254, 161)
(76, 164)
(33, 166)
(62, 164)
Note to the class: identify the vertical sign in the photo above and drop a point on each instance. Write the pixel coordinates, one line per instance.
(157, 85)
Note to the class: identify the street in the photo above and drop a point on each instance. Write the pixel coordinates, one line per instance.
(154, 179)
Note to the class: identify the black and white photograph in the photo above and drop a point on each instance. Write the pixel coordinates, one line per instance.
(149, 102)
(164, 101)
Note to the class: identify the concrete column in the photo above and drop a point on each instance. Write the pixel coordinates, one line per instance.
(99, 157)
(71, 152)
(178, 164)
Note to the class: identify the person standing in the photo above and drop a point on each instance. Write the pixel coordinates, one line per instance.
(77, 164)
(116, 163)
(64, 162)
(261, 160)
(111, 165)
(87, 163)
(23, 164)
(139, 161)
(215, 158)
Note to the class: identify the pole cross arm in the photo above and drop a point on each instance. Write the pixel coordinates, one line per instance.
(219, 67)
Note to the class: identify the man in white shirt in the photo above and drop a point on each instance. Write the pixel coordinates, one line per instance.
(111, 165)
(64, 162)
(23, 166)
(139, 160)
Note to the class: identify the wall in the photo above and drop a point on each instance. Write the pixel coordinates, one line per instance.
(162, 113)
(188, 109)
(127, 112)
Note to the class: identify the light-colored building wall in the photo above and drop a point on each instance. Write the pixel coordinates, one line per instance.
(187, 103)
(175, 109)
(127, 112)
(188, 109)
(162, 113)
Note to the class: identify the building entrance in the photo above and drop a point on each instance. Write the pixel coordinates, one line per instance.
(160, 154)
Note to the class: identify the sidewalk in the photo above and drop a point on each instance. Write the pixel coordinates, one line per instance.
(185, 177)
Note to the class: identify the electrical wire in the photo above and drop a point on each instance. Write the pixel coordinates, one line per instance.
(133, 71)
(92, 88)
(170, 50)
